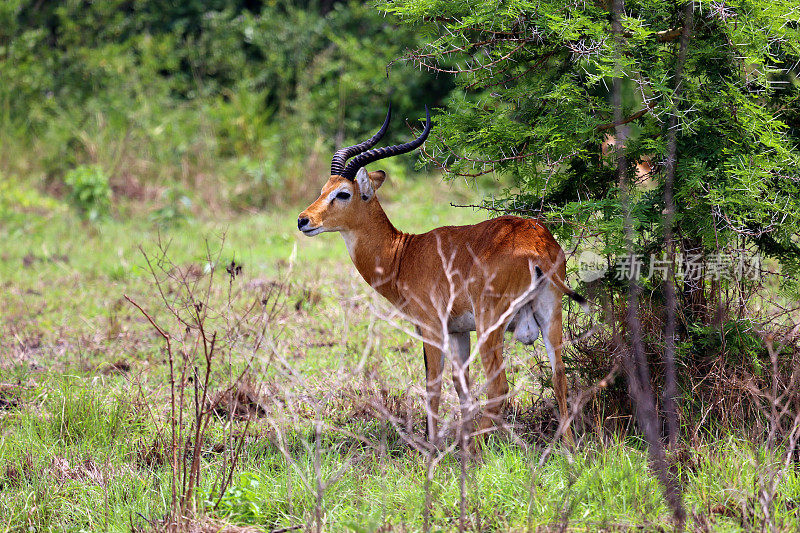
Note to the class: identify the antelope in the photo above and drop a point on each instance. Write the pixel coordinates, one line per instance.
(502, 274)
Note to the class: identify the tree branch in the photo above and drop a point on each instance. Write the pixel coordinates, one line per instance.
(670, 35)
(670, 381)
(634, 358)
(638, 114)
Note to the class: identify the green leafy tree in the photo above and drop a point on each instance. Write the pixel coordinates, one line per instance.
(89, 191)
(700, 101)
(535, 105)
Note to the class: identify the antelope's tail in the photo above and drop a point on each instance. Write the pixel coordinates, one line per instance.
(571, 293)
(563, 287)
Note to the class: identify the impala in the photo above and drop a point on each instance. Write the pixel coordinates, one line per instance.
(502, 274)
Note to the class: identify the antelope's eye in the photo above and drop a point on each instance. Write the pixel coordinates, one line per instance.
(343, 195)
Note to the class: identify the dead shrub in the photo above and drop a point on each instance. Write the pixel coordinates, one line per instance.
(13, 474)
(243, 401)
(724, 369)
(86, 470)
(212, 319)
(10, 395)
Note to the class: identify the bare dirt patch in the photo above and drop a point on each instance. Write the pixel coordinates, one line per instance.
(120, 366)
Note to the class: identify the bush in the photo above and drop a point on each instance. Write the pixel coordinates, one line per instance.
(18, 198)
(163, 97)
(175, 209)
(258, 185)
(90, 191)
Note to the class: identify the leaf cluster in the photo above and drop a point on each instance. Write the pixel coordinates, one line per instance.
(535, 106)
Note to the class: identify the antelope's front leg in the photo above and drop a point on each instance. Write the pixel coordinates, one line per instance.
(434, 361)
(459, 353)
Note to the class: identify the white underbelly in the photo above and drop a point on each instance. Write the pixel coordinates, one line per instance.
(462, 323)
(466, 322)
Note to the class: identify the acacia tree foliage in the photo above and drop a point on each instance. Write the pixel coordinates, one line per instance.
(535, 105)
(702, 102)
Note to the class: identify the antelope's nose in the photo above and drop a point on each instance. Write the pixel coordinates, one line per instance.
(301, 222)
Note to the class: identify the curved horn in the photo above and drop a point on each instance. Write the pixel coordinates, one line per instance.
(341, 156)
(389, 151)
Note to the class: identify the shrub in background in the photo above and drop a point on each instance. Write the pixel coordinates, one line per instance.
(706, 97)
(164, 96)
(90, 191)
(175, 208)
(17, 198)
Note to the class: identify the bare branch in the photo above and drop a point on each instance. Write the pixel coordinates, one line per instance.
(638, 114)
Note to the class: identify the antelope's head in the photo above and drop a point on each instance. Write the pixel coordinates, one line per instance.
(347, 200)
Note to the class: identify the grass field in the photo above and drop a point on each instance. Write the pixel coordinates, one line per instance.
(328, 418)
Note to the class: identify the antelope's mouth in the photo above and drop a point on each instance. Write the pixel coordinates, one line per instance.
(310, 232)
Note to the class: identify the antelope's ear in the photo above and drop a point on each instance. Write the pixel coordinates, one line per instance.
(377, 178)
(364, 184)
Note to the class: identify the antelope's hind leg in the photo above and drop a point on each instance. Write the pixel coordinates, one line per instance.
(491, 350)
(549, 316)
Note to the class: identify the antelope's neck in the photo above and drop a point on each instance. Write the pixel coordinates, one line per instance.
(376, 249)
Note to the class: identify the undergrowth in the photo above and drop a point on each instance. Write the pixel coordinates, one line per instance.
(85, 396)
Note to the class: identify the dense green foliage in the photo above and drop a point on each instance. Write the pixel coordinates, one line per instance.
(535, 105)
(89, 190)
(193, 94)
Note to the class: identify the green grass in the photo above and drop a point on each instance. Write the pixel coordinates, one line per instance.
(87, 382)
